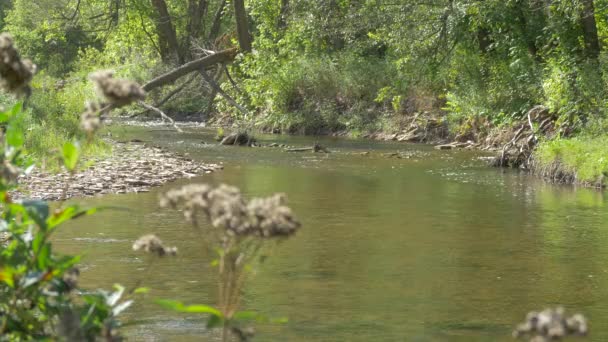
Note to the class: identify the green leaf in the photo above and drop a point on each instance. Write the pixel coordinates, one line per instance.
(257, 317)
(121, 307)
(32, 278)
(141, 290)
(5, 116)
(213, 322)
(71, 154)
(14, 134)
(16, 109)
(112, 299)
(280, 320)
(248, 316)
(38, 211)
(44, 256)
(6, 276)
(195, 308)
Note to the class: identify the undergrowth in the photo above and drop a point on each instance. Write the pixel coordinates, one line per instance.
(583, 158)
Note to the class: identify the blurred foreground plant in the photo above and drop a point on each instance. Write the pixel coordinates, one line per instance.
(238, 232)
(551, 325)
(39, 295)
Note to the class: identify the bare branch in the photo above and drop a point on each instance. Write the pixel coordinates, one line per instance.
(162, 114)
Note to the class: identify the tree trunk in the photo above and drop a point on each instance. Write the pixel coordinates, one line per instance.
(197, 9)
(217, 22)
(220, 57)
(167, 39)
(242, 26)
(592, 45)
(484, 40)
(283, 15)
(527, 36)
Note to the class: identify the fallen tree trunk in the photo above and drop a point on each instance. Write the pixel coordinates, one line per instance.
(223, 56)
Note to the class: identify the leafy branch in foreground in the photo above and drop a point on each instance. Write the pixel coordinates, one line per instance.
(39, 294)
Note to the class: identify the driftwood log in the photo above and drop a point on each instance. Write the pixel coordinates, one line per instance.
(314, 148)
(238, 139)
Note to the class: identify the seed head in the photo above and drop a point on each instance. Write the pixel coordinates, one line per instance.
(70, 278)
(89, 119)
(152, 244)
(225, 208)
(551, 325)
(15, 73)
(118, 92)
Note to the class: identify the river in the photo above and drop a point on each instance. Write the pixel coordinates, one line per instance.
(435, 247)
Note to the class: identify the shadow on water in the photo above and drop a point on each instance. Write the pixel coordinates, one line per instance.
(436, 247)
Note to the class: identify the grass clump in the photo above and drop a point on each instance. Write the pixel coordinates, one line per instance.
(584, 160)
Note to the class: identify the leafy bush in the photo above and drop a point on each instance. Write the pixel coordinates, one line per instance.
(38, 287)
(585, 158)
(313, 94)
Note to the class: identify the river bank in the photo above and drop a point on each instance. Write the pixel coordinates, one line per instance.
(131, 167)
(540, 152)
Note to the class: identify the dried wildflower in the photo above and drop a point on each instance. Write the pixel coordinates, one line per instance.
(271, 216)
(152, 244)
(551, 324)
(15, 73)
(225, 208)
(70, 278)
(9, 172)
(89, 120)
(118, 92)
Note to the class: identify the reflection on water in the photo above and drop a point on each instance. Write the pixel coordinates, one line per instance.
(436, 247)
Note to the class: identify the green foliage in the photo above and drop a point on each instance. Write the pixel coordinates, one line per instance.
(37, 285)
(586, 158)
(314, 94)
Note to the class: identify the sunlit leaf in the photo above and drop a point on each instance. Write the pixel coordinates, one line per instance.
(14, 135)
(248, 316)
(195, 308)
(32, 278)
(6, 276)
(141, 290)
(121, 307)
(71, 154)
(279, 320)
(116, 295)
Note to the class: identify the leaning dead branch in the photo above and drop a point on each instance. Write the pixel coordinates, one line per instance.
(161, 113)
(216, 88)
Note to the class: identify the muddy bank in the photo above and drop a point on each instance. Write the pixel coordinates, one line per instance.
(132, 167)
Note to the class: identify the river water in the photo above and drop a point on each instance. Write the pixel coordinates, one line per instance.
(435, 247)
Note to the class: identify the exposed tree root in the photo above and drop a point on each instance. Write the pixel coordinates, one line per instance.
(517, 152)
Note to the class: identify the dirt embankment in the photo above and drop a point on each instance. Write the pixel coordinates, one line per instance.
(132, 167)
